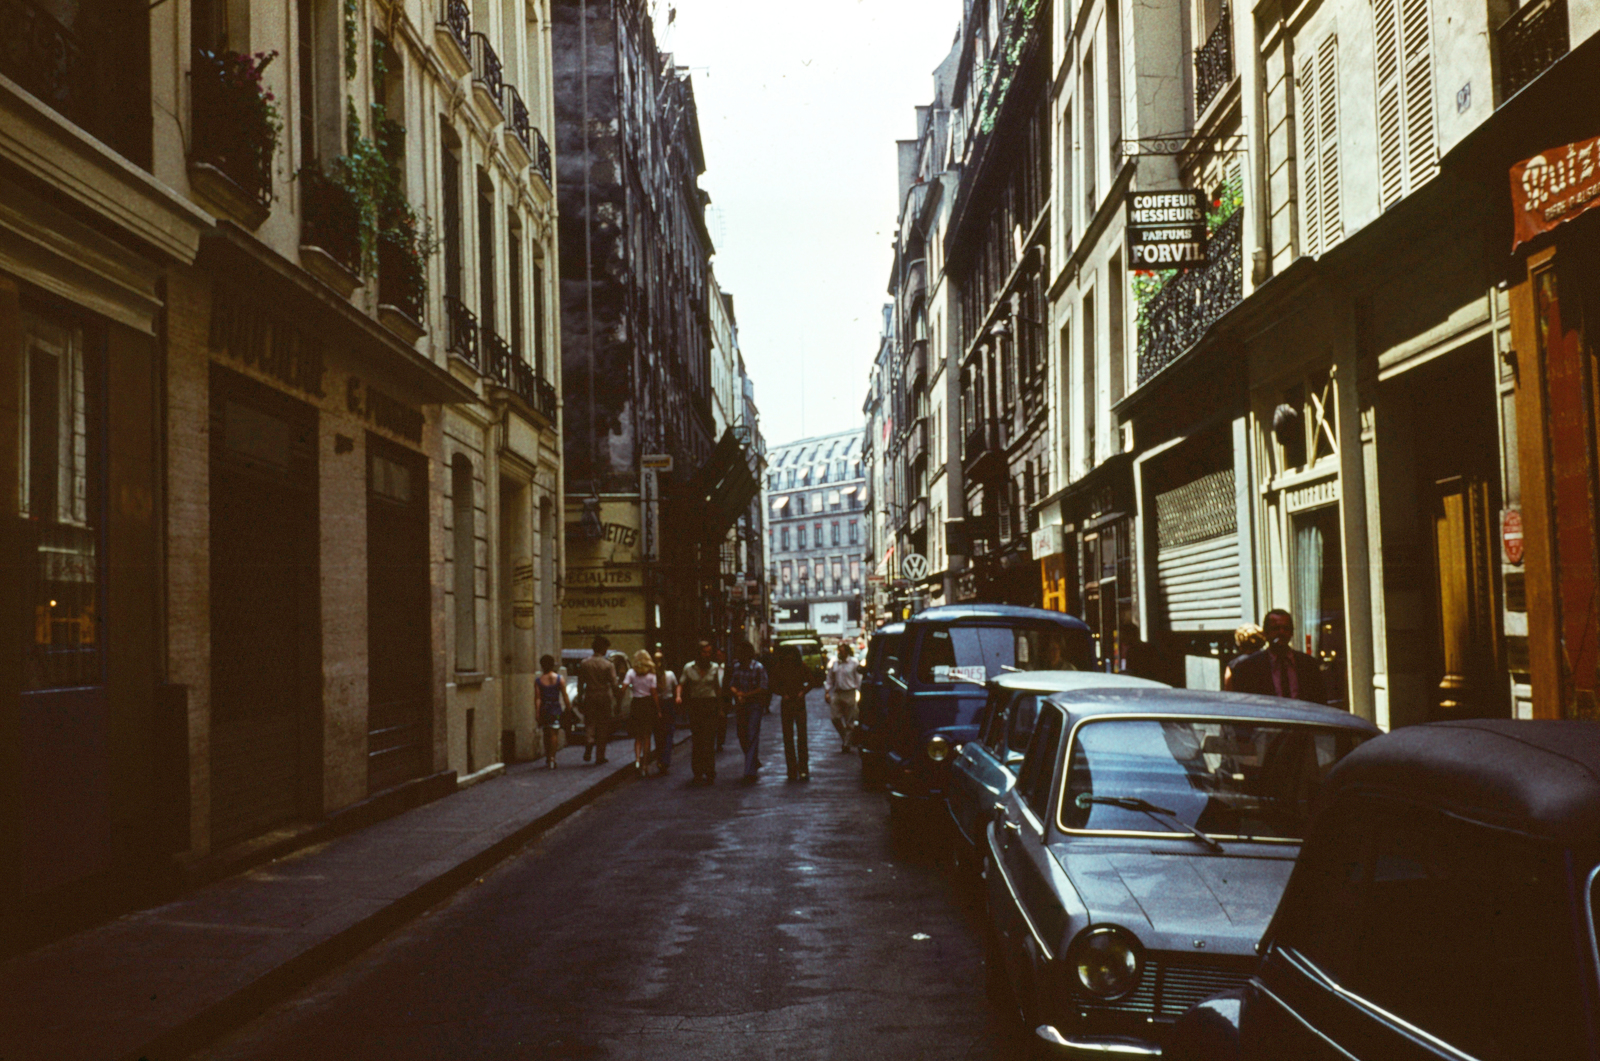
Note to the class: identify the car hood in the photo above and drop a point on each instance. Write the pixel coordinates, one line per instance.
(1182, 900)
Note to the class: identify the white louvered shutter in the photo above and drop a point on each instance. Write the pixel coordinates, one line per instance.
(1416, 40)
(1328, 140)
(1391, 148)
(1310, 157)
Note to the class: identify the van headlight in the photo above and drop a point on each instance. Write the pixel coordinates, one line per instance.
(1106, 961)
(938, 749)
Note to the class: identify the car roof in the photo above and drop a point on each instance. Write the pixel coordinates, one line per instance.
(1103, 702)
(1057, 681)
(949, 613)
(1539, 777)
(890, 630)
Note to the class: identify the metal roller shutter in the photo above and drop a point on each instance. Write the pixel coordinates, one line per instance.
(1197, 555)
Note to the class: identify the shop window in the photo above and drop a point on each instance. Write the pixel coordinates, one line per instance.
(1318, 594)
(59, 502)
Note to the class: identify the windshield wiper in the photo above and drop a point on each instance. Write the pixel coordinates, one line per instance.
(1146, 807)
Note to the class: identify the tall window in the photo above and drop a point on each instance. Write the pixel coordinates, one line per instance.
(816, 539)
(1090, 160)
(1118, 355)
(514, 278)
(1321, 218)
(306, 61)
(799, 536)
(451, 163)
(464, 562)
(836, 539)
(486, 286)
(855, 532)
(539, 326)
(1407, 143)
(784, 538)
(1091, 354)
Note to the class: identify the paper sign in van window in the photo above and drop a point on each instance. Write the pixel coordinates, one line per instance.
(945, 675)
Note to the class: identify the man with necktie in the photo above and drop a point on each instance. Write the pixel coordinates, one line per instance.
(1278, 669)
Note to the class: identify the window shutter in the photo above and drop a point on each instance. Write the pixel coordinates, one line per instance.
(1311, 202)
(1391, 157)
(1417, 47)
(1328, 139)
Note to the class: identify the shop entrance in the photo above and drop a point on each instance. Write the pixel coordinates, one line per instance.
(399, 642)
(265, 634)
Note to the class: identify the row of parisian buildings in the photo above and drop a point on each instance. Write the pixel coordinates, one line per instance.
(354, 354)
(1361, 386)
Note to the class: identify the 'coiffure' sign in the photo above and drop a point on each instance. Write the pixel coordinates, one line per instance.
(1167, 230)
(1554, 187)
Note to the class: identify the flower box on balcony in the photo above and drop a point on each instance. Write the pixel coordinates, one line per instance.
(236, 127)
(330, 229)
(400, 322)
(325, 267)
(452, 37)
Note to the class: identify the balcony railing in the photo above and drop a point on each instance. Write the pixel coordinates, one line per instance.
(917, 364)
(917, 440)
(233, 121)
(458, 17)
(1213, 63)
(546, 403)
(1179, 314)
(984, 453)
(46, 58)
(1530, 40)
(330, 218)
(506, 367)
(462, 330)
(486, 69)
(497, 357)
(541, 158)
(517, 116)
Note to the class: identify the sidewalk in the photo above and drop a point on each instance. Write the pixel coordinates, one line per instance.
(158, 983)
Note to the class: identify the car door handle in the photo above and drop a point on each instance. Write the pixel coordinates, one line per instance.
(1004, 819)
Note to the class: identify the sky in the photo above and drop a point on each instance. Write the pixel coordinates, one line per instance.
(800, 108)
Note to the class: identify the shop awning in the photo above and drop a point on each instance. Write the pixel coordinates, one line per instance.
(236, 258)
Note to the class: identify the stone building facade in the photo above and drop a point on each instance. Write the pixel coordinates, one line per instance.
(816, 534)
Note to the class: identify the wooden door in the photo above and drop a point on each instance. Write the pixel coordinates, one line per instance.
(1464, 597)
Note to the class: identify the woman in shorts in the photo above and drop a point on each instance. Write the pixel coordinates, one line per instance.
(553, 703)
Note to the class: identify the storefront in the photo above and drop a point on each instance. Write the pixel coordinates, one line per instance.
(1086, 551)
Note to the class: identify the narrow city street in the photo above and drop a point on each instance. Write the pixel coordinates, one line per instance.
(774, 921)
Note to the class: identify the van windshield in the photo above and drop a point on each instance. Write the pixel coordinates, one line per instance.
(973, 654)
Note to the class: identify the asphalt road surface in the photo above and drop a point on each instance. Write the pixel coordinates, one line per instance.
(781, 920)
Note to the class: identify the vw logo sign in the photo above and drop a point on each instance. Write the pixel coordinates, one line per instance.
(914, 567)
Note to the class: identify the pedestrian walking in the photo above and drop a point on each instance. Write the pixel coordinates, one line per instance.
(790, 681)
(644, 709)
(666, 721)
(597, 691)
(1279, 670)
(1248, 640)
(553, 705)
(747, 685)
(842, 689)
(700, 692)
(720, 658)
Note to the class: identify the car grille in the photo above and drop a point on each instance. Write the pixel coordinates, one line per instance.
(1168, 988)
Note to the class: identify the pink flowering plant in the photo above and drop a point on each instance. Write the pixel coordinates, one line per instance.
(237, 119)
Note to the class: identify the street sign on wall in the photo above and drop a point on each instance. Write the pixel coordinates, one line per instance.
(1167, 230)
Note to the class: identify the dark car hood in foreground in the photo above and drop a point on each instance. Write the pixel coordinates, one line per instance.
(1175, 900)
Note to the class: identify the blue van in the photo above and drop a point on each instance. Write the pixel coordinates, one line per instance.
(932, 686)
(883, 659)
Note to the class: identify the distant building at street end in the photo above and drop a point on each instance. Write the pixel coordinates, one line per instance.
(816, 534)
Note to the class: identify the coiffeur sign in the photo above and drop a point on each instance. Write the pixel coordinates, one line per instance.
(1553, 187)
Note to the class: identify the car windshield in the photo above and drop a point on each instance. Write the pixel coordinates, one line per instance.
(1243, 779)
(974, 654)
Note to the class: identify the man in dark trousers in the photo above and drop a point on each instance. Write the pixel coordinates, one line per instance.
(701, 692)
(1279, 670)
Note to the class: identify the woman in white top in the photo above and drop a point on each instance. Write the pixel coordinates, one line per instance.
(645, 709)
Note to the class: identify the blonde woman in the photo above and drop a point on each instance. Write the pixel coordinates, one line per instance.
(645, 709)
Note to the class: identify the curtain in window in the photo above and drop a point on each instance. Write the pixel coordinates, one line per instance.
(1308, 547)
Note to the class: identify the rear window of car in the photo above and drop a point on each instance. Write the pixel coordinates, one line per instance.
(1460, 930)
(953, 655)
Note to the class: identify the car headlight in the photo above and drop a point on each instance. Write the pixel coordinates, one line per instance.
(938, 749)
(1106, 961)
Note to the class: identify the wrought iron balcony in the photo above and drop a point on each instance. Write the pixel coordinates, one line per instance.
(917, 365)
(517, 116)
(1179, 314)
(233, 123)
(497, 357)
(46, 58)
(1213, 63)
(1530, 41)
(917, 440)
(541, 158)
(487, 72)
(462, 330)
(330, 218)
(458, 18)
(546, 403)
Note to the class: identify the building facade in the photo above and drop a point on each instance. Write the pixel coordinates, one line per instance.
(816, 534)
(654, 486)
(277, 292)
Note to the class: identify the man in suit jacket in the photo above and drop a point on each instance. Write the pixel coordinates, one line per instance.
(1279, 670)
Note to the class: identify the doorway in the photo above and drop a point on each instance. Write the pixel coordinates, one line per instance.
(265, 632)
(399, 641)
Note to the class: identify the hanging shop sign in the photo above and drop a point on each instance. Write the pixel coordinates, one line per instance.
(1048, 541)
(1167, 230)
(1511, 535)
(1554, 187)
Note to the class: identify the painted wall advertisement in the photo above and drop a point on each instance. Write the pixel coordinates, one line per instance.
(605, 578)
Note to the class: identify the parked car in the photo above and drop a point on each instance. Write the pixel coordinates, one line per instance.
(984, 768)
(935, 684)
(1136, 862)
(882, 656)
(1443, 908)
